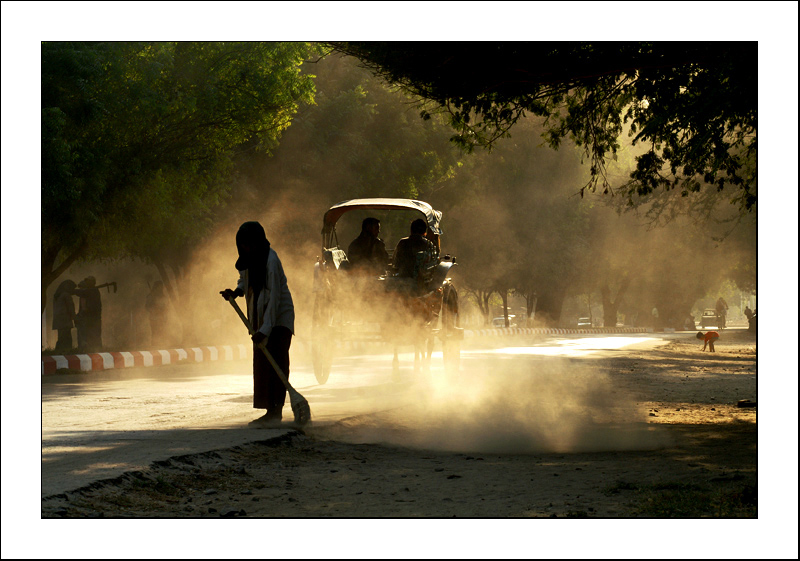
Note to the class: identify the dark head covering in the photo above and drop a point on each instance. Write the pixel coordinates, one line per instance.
(252, 234)
(66, 286)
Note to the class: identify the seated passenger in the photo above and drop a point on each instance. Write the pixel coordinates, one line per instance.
(367, 253)
(405, 254)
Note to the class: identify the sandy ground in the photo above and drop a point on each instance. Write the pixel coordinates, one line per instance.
(677, 446)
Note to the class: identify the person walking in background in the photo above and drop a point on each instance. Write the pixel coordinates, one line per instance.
(157, 306)
(750, 315)
(270, 311)
(89, 319)
(722, 311)
(708, 339)
(64, 315)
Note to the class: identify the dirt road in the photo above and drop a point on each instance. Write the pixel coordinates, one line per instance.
(659, 435)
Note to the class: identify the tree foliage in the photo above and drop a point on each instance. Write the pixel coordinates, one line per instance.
(139, 140)
(513, 223)
(690, 107)
(359, 139)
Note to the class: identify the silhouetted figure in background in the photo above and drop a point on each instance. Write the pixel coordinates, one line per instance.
(64, 315)
(90, 311)
(367, 253)
(270, 311)
(722, 310)
(748, 313)
(752, 322)
(157, 306)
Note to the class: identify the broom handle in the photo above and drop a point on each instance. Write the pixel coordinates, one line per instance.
(263, 347)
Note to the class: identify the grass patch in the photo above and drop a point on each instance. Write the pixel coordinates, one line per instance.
(120, 500)
(158, 487)
(577, 514)
(688, 500)
(680, 499)
(618, 487)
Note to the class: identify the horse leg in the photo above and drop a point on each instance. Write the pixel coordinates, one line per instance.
(428, 352)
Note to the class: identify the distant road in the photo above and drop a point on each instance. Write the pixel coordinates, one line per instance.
(100, 424)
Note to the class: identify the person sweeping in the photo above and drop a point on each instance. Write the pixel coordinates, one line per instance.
(270, 312)
(708, 339)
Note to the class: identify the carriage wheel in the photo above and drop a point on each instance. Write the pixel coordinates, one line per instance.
(451, 343)
(322, 339)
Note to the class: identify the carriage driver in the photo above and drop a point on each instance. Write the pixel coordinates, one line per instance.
(406, 250)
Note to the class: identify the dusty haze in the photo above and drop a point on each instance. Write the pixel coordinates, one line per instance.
(511, 210)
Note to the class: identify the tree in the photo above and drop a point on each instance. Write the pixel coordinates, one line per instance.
(611, 302)
(139, 141)
(72, 169)
(516, 227)
(479, 234)
(483, 299)
(692, 106)
(360, 138)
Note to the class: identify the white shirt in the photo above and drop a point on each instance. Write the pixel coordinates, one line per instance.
(274, 305)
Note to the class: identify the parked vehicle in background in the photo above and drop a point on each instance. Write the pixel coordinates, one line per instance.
(710, 318)
(584, 322)
(500, 322)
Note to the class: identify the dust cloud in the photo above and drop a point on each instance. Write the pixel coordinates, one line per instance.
(554, 406)
(512, 219)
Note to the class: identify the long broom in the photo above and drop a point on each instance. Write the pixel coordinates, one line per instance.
(300, 408)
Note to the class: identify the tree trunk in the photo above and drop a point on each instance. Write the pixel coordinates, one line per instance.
(50, 272)
(173, 292)
(485, 296)
(548, 306)
(530, 307)
(187, 311)
(504, 297)
(611, 307)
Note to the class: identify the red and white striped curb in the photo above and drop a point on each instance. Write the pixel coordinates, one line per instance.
(116, 360)
(108, 361)
(552, 331)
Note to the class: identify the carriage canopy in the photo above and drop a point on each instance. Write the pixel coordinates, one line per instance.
(433, 217)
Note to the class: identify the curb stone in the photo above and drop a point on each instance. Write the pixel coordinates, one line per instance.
(116, 360)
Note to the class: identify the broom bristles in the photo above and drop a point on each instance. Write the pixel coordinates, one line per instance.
(301, 410)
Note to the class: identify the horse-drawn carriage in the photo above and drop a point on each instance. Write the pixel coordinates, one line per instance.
(352, 306)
